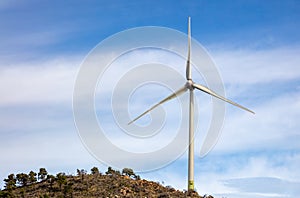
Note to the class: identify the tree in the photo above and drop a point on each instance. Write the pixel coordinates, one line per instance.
(128, 171)
(81, 173)
(22, 179)
(95, 171)
(42, 175)
(111, 171)
(10, 182)
(32, 177)
(137, 177)
(61, 179)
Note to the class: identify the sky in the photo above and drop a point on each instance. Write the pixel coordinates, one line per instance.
(254, 45)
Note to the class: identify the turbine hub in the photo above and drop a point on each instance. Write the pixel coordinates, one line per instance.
(189, 85)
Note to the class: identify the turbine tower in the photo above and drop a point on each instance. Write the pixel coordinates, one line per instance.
(190, 85)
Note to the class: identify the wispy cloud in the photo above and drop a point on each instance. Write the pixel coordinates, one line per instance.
(274, 125)
(251, 66)
(38, 82)
(265, 186)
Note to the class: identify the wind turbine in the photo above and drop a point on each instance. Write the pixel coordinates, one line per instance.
(190, 85)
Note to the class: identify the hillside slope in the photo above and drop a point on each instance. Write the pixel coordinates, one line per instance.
(112, 184)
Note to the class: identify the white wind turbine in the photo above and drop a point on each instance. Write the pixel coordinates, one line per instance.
(190, 85)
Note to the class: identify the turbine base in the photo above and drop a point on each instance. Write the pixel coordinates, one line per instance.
(191, 185)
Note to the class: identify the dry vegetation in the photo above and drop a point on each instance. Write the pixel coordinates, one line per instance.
(111, 184)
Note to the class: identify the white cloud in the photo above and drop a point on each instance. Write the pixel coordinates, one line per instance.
(275, 187)
(274, 126)
(40, 82)
(248, 67)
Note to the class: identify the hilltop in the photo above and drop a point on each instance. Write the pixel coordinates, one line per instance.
(112, 184)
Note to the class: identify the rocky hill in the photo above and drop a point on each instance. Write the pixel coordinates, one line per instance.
(111, 184)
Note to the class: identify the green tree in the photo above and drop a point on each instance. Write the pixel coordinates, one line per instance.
(32, 177)
(137, 177)
(42, 175)
(61, 179)
(10, 182)
(128, 171)
(95, 171)
(22, 179)
(111, 171)
(81, 173)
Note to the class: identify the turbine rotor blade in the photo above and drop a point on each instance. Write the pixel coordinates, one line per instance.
(210, 92)
(188, 62)
(170, 97)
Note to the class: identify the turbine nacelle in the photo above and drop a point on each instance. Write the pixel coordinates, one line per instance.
(189, 85)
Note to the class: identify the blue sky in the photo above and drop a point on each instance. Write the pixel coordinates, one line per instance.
(255, 45)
